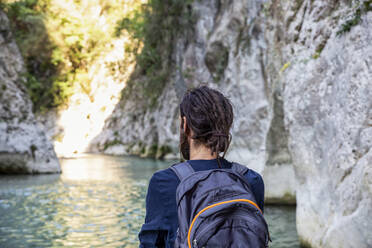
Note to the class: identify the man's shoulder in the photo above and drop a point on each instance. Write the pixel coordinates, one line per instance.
(164, 176)
(253, 173)
(253, 176)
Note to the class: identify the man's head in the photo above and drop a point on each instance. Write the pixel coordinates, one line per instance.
(206, 119)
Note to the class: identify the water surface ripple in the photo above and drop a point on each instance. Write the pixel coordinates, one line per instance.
(98, 201)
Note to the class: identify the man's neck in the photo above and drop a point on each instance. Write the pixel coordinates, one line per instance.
(201, 153)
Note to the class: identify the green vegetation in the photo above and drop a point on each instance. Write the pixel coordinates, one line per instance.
(360, 9)
(216, 60)
(266, 8)
(33, 148)
(162, 151)
(155, 26)
(316, 55)
(60, 40)
(304, 243)
(285, 67)
(112, 143)
(27, 19)
(152, 150)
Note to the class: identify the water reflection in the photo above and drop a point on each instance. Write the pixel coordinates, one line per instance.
(98, 201)
(109, 168)
(282, 226)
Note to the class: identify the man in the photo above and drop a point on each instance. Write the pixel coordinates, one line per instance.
(206, 118)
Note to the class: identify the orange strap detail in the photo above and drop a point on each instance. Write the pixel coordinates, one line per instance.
(214, 205)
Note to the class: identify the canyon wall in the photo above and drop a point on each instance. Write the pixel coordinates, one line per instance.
(226, 49)
(327, 97)
(297, 72)
(24, 147)
(299, 76)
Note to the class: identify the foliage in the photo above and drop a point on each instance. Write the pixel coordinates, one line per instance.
(151, 151)
(112, 143)
(285, 67)
(361, 8)
(216, 60)
(156, 26)
(27, 19)
(60, 40)
(163, 150)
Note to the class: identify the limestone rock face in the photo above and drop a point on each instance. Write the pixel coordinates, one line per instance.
(302, 96)
(226, 51)
(24, 147)
(327, 97)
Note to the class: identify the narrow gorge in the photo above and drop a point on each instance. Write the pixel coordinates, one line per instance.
(299, 74)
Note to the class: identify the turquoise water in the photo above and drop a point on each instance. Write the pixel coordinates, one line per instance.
(98, 201)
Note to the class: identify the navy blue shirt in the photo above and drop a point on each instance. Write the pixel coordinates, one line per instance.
(161, 220)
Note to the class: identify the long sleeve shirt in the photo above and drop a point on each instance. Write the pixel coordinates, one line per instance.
(161, 221)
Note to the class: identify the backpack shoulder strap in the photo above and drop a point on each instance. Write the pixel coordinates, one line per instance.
(240, 169)
(182, 170)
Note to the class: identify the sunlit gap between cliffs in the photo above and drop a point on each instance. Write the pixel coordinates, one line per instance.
(84, 116)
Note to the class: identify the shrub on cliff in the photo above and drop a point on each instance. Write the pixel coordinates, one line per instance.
(155, 25)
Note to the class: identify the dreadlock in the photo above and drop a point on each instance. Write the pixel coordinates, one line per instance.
(209, 114)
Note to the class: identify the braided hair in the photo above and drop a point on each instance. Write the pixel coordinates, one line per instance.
(209, 114)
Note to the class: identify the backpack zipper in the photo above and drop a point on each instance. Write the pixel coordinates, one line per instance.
(215, 205)
(195, 241)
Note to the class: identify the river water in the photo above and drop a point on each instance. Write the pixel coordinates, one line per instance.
(98, 201)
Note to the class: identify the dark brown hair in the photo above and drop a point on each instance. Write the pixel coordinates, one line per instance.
(209, 114)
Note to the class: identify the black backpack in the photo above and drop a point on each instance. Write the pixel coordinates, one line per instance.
(216, 208)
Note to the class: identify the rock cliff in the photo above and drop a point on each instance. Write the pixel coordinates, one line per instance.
(227, 49)
(327, 95)
(24, 147)
(299, 75)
